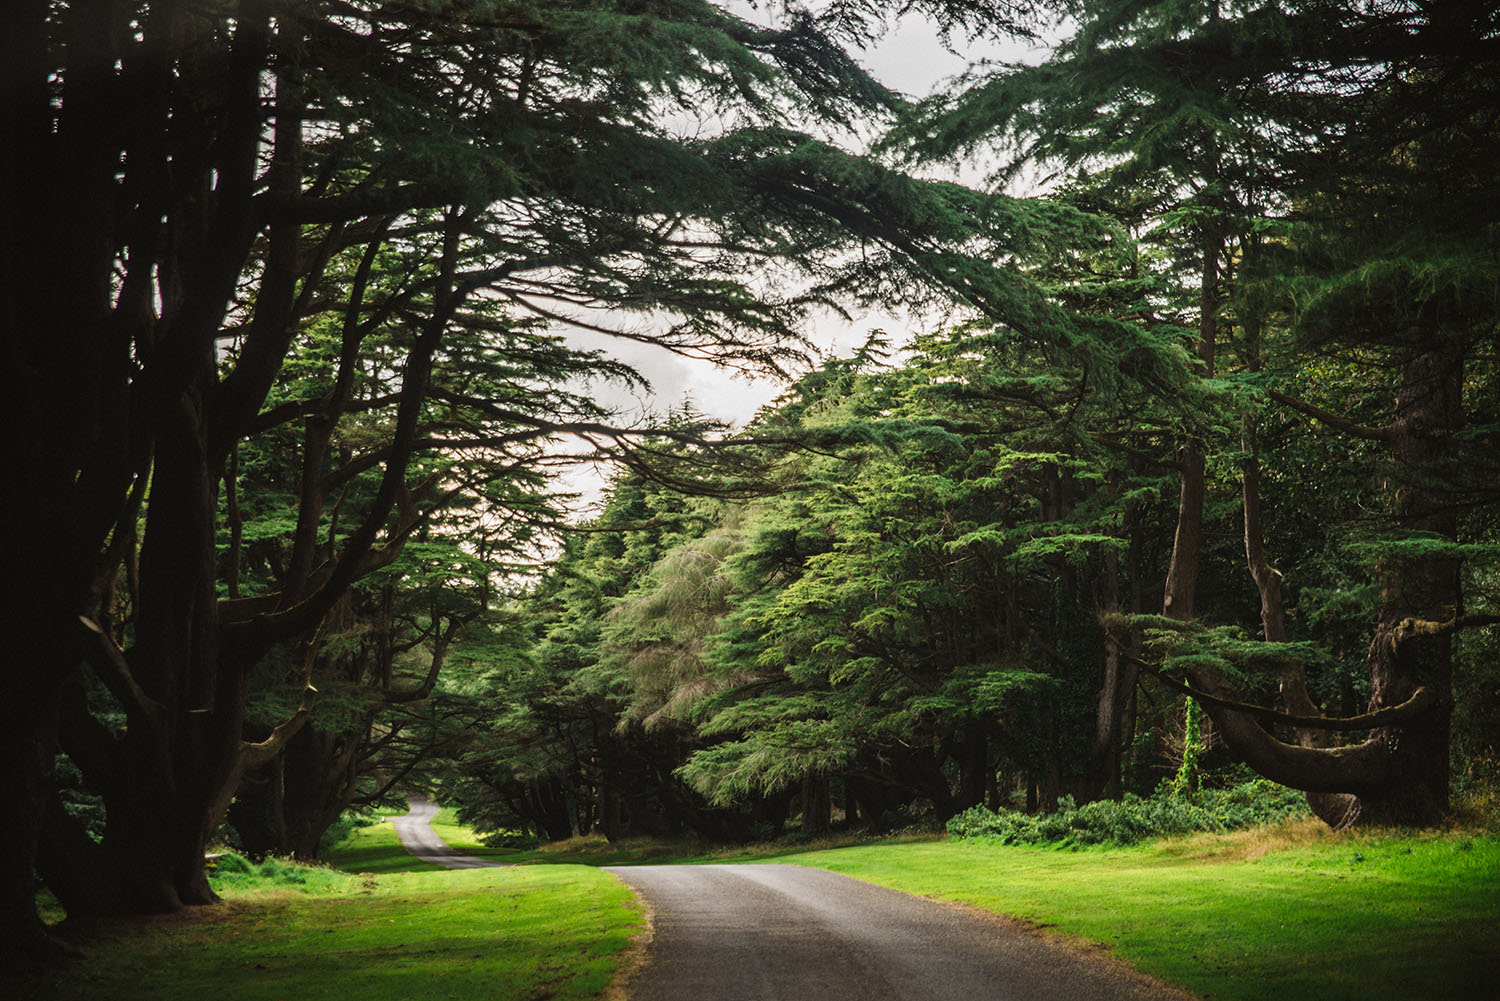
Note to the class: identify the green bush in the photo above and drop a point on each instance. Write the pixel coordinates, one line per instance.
(1133, 819)
(519, 840)
(232, 871)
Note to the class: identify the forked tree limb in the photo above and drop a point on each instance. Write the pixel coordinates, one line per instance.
(113, 669)
(259, 752)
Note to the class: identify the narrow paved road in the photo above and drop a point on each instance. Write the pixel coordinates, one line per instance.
(416, 833)
(789, 933)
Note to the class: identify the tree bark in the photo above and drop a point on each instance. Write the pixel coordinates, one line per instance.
(817, 806)
(1429, 413)
(1179, 598)
(1115, 690)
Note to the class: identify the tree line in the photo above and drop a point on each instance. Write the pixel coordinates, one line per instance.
(286, 292)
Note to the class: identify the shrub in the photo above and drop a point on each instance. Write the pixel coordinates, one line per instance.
(519, 840)
(232, 871)
(1133, 819)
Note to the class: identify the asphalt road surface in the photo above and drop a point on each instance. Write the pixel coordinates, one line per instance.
(790, 933)
(416, 833)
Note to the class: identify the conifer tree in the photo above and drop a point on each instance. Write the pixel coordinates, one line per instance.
(190, 191)
(1226, 125)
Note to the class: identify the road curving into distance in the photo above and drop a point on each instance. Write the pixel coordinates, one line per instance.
(416, 834)
(792, 933)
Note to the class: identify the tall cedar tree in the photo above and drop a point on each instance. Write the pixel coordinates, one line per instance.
(187, 188)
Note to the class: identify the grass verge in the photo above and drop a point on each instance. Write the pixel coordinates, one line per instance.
(1296, 913)
(1293, 912)
(504, 934)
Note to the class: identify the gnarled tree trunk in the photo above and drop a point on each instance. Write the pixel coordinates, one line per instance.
(1400, 773)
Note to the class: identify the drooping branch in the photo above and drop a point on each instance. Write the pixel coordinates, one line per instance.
(263, 751)
(1421, 701)
(351, 564)
(1333, 420)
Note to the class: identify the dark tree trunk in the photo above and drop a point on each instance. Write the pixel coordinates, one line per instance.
(287, 808)
(29, 748)
(817, 806)
(1115, 690)
(974, 772)
(1429, 413)
(1179, 599)
(66, 362)
(552, 797)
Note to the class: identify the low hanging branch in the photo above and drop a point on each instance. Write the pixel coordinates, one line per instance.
(1421, 701)
(260, 752)
(1332, 419)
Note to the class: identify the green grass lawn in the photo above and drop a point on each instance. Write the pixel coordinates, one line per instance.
(509, 934)
(1297, 913)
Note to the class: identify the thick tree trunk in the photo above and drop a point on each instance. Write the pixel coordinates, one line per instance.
(66, 365)
(1429, 413)
(817, 806)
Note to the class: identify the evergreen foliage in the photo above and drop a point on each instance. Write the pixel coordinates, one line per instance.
(293, 296)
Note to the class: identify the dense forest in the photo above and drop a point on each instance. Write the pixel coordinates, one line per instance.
(1191, 476)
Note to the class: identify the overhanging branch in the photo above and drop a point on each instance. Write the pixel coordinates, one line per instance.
(1421, 701)
(1429, 627)
(1333, 420)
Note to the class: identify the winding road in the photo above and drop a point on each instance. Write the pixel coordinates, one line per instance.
(790, 933)
(416, 833)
